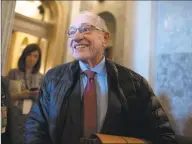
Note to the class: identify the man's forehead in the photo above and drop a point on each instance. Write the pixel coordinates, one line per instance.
(85, 19)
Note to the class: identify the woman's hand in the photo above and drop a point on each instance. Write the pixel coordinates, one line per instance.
(21, 96)
(24, 94)
(28, 93)
(34, 93)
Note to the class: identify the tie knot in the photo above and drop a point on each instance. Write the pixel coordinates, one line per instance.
(90, 74)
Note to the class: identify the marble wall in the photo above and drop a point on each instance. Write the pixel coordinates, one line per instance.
(174, 62)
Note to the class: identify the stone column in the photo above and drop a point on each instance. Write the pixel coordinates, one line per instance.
(138, 37)
(8, 12)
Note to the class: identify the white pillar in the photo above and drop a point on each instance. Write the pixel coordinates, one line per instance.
(142, 41)
(139, 35)
(8, 13)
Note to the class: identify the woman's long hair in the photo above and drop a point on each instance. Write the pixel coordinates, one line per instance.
(29, 49)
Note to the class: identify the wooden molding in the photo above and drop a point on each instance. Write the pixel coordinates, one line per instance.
(31, 26)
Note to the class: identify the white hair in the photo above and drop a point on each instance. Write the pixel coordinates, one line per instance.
(99, 22)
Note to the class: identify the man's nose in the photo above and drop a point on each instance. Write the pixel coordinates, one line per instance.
(77, 36)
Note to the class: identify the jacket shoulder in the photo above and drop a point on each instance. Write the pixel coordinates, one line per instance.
(15, 70)
(57, 71)
(12, 74)
(4, 81)
(126, 72)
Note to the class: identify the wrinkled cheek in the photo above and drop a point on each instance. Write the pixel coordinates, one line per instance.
(70, 43)
(70, 46)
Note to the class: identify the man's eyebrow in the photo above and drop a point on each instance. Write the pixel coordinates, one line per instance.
(84, 24)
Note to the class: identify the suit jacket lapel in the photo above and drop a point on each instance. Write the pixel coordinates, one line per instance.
(66, 82)
(76, 103)
(73, 121)
(62, 106)
(115, 98)
(114, 108)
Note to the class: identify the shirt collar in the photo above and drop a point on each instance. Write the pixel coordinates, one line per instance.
(99, 68)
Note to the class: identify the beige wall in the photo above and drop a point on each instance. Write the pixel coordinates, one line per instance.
(74, 11)
(58, 45)
(129, 34)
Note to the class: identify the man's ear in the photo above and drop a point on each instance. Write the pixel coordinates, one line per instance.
(106, 37)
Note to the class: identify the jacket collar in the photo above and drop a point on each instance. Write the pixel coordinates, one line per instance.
(111, 69)
(100, 68)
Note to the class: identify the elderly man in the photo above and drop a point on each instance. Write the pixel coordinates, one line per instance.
(94, 95)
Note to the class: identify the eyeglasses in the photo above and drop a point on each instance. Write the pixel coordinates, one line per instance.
(83, 30)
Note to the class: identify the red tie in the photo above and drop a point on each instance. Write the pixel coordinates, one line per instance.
(90, 105)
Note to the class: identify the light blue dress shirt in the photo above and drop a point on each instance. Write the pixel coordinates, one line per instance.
(101, 89)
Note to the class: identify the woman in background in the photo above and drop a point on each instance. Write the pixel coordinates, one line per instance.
(28, 75)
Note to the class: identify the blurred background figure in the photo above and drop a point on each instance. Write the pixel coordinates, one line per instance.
(24, 86)
(5, 112)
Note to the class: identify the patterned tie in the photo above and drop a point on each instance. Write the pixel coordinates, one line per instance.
(90, 105)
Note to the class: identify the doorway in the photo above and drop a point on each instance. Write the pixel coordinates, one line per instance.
(111, 25)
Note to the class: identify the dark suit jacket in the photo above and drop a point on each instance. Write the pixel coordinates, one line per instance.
(133, 110)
